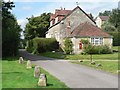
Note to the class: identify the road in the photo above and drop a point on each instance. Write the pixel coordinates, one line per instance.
(74, 75)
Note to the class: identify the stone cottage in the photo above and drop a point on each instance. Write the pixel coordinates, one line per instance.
(76, 24)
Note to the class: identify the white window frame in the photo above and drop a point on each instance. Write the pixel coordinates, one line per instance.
(97, 40)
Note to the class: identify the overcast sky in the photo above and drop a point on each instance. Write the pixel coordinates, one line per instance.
(27, 8)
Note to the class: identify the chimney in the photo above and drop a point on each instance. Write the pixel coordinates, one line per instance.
(64, 8)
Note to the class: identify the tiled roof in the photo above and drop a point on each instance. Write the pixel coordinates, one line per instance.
(59, 13)
(70, 11)
(52, 16)
(104, 18)
(62, 12)
(88, 30)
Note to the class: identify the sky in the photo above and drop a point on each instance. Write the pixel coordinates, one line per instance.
(26, 8)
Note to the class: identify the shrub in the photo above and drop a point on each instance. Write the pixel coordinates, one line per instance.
(44, 45)
(90, 49)
(68, 46)
(85, 41)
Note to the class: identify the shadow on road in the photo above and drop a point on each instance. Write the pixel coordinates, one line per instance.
(32, 57)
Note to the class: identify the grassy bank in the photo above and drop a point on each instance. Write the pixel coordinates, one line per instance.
(15, 75)
(58, 55)
(113, 56)
(108, 66)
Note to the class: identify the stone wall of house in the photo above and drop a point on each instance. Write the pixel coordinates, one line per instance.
(74, 19)
(76, 42)
(64, 28)
(98, 22)
(108, 41)
(54, 32)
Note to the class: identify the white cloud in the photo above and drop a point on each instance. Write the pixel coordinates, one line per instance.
(22, 22)
(65, 0)
(27, 8)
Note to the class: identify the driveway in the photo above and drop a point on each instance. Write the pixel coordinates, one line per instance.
(74, 75)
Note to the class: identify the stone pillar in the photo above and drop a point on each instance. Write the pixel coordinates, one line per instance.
(21, 60)
(42, 80)
(37, 71)
(29, 64)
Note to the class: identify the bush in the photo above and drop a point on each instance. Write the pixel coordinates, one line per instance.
(68, 46)
(90, 49)
(44, 44)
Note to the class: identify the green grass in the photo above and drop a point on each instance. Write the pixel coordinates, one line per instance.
(58, 55)
(53, 55)
(113, 56)
(15, 75)
(0, 74)
(108, 66)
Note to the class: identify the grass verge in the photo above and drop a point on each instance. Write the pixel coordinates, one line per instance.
(113, 56)
(15, 75)
(108, 66)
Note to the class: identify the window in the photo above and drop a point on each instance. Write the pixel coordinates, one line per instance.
(97, 41)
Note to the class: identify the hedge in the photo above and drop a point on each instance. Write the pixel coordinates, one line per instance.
(39, 45)
(90, 49)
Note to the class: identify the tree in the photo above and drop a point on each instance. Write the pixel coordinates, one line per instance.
(37, 26)
(10, 31)
(115, 18)
(108, 27)
(112, 26)
(105, 13)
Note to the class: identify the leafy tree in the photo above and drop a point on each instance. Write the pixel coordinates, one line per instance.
(37, 26)
(105, 13)
(112, 26)
(10, 31)
(68, 46)
(115, 18)
(108, 27)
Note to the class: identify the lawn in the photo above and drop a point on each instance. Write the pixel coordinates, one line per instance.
(15, 75)
(0, 74)
(113, 56)
(53, 55)
(58, 55)
(108, 66)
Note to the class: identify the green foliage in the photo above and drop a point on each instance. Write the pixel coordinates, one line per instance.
(115, 18)
(108, 27)
(39, 45)
(37, 26)
(105, 13)
(113, 24)
(10, 31)
(116, 38)
(90, 49)
(85, 41)
(30, 47)
(68, 46)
